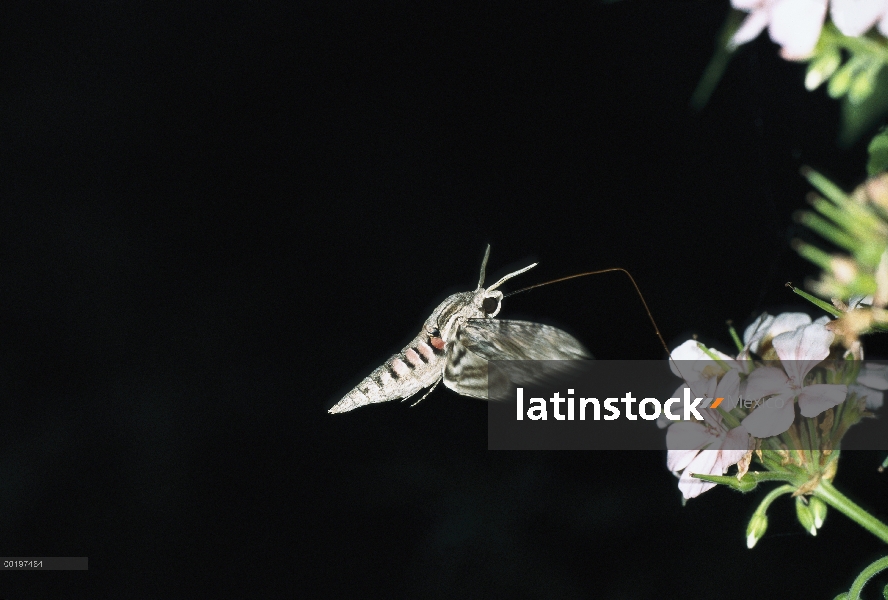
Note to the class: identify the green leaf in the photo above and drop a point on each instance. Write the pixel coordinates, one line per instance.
(878, 153)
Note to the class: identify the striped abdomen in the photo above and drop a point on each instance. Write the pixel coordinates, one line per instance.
(417, 366)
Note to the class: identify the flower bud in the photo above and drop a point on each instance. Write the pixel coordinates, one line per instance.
(861, 88)
(822, 68)
(877, 190)
(841, 81)
(756, 529)
(805, 515)
(818, 509)
(844, 270)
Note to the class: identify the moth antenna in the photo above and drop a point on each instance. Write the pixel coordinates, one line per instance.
(628, 274)
(483, 267)
(510, 275)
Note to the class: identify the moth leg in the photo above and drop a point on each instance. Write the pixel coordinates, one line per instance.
(431, 389)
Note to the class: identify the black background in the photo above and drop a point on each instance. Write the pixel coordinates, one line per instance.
(217, 218)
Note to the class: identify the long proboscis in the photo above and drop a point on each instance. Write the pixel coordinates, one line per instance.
(600, 272)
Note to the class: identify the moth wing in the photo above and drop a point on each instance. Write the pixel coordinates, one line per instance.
(464, 371)
(496, 339)
(478, 341)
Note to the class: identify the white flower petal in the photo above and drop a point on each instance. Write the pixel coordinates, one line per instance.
(861, 300)
(703, 388)
(874, 375)
(767, 327)
(796, 26)
(678, 460)
(686, 435)
(856, 17)
(689, 350)
(788, 322)
(814, 399)
(692, 360)
(756, 332)
(822, 320)
(765, 381)
(748, 5)
(772, 418)
(751, 27)
(803, 349)
(691, 487)
(687, 356)
(874, 398)
(711, 417)
(729, 389)
(703, 464)
(759, 325)
(875, 382)
(734, 446)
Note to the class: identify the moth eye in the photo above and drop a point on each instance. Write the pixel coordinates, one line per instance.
(489, 305)
(433, 332)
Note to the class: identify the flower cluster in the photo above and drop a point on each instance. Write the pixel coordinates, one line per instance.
(780, 365)
(796, 24)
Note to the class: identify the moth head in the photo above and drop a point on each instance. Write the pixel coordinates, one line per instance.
(491, 298)
(491, 303)
(487, 294)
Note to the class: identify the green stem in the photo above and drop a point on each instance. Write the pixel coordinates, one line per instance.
(773, 495)
(829, 494)
(718, 63)
(737, 341)
(867, 574)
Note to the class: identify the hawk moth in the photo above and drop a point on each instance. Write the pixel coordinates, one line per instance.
(455, 344)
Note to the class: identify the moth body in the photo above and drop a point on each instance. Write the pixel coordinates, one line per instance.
(454, 345)
(420, 363)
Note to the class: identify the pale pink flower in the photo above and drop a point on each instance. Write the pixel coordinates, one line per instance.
(799, 352)
(855, 17)
(767, 327)
(713, 451)
(871, 383)
(796, 24)
(793, 24)
(691, 351)
(708, 447)
(699, 369)
(701, 373)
